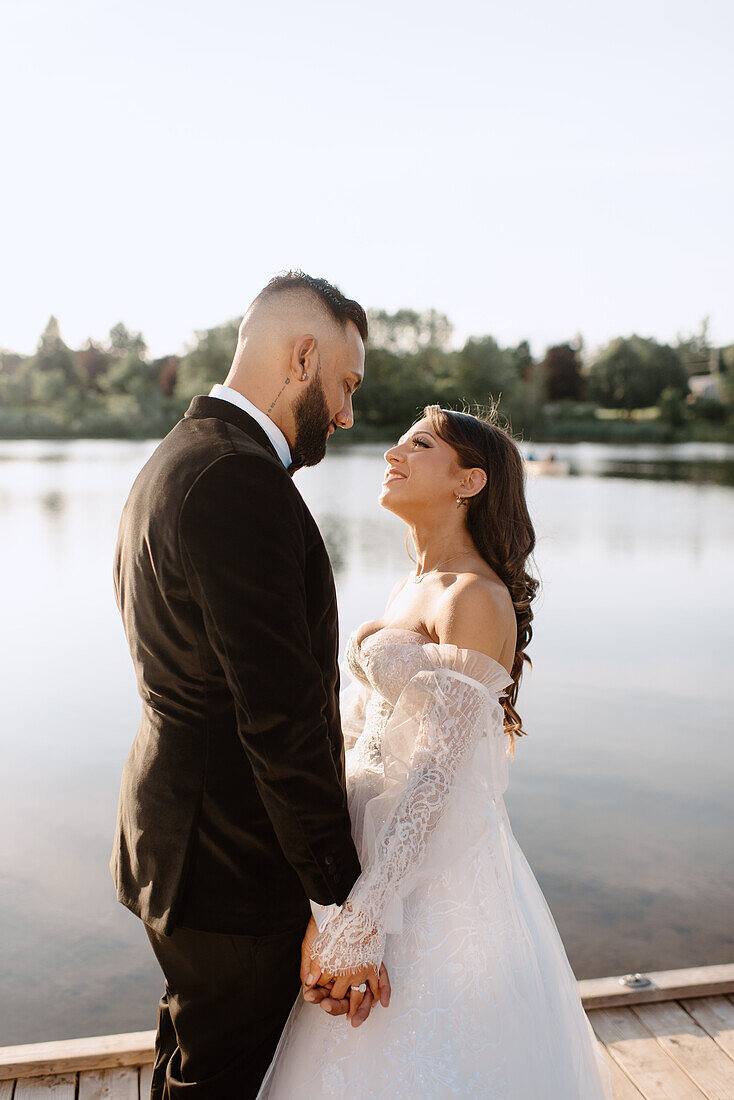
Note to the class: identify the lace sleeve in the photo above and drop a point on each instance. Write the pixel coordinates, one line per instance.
(352, 706)
(442, 714)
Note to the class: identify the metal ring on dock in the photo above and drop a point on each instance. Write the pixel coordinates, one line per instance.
(635, 981)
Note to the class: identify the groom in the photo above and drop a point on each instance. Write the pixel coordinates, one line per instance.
(233, 810)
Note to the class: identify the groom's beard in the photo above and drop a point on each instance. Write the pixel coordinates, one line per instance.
(312, 419)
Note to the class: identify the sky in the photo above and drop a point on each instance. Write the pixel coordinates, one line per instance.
(532, 168)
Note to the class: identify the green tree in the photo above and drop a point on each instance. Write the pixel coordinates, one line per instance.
(521, 360)
(726, 366)
(123, 342)
(53, 356)
(396, 386)
(133, 376)
(16, 381)
(672, 407)
(408, 331)
(207, 361)
(483, 371)
(631, 373)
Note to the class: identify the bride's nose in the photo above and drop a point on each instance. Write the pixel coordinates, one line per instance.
(392, 455)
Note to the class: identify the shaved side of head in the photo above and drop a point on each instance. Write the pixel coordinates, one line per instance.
(276, 318)
(339, 308)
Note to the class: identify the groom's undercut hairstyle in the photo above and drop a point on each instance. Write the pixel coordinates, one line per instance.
(339, 308)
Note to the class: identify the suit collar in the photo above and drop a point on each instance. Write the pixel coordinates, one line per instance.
(203, 408)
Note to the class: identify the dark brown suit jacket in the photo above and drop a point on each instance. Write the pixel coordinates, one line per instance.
(233, 808)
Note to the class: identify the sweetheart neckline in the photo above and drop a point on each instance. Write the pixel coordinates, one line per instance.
(429, 641)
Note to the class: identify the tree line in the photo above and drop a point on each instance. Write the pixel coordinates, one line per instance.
(115, 389)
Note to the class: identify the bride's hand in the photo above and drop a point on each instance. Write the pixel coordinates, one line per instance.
(322, 996)
(341, 985)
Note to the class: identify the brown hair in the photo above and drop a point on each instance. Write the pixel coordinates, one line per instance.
(498, 521)
(339, 308)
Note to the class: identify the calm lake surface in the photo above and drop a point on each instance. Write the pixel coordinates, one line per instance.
(621, 796)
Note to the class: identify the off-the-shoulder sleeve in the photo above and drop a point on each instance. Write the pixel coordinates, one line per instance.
(440, 716)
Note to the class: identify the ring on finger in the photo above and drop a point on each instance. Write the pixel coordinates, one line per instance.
(358, 988)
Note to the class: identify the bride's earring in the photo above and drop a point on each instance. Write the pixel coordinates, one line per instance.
(304, 377)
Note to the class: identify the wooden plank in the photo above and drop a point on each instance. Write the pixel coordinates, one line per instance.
(689, 1045)
(666, 985)
(98, 1052)
(146, 1079)
(641, 1057)
(59, 1086)
(109, 1084)
(622, 1087)
(6, 1090)
(716, 1016)
(711, 986)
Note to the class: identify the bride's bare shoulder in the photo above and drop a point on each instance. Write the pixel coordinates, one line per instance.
(476, 612)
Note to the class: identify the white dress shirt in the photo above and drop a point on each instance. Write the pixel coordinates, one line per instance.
(322, 913)
(271, 429)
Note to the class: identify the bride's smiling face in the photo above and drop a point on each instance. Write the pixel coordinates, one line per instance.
(422, 472)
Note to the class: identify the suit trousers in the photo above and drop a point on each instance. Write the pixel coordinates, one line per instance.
(226, 1002)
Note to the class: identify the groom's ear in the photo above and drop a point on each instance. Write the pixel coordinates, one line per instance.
(305, 356)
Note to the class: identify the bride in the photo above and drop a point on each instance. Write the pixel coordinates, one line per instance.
(483, 1002)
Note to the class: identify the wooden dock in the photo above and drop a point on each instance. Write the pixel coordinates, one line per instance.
(670, 1040)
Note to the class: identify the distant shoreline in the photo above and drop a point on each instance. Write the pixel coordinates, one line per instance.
(571, 431)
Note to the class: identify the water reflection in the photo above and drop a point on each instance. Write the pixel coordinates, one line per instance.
(700, 472)
(698, 463)
(620, 795)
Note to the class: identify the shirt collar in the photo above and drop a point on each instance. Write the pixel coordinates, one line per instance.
(271, 429)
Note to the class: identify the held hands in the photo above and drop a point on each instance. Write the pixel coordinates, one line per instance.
(334, 994)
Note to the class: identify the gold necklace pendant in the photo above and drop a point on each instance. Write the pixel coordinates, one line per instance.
(419, 576)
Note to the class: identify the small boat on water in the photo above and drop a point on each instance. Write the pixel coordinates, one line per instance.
(548, 466)
(668, 1033)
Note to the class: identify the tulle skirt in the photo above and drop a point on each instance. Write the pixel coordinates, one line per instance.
(484, 1001)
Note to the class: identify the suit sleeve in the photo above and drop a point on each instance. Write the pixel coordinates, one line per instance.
(243, 542)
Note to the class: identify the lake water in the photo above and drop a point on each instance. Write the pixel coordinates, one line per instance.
(621, 795)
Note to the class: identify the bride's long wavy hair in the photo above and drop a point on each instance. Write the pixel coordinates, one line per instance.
(498, 521)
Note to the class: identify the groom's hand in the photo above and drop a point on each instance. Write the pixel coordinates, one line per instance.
(322, 996)
(336, 998)
(312, 931)
(312, 992)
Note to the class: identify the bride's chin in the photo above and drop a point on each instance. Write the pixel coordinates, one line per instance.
(385, 501)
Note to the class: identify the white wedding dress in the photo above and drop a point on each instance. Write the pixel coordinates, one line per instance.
(484, 1001)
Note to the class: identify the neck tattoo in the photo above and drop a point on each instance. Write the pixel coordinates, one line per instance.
(275, 400)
